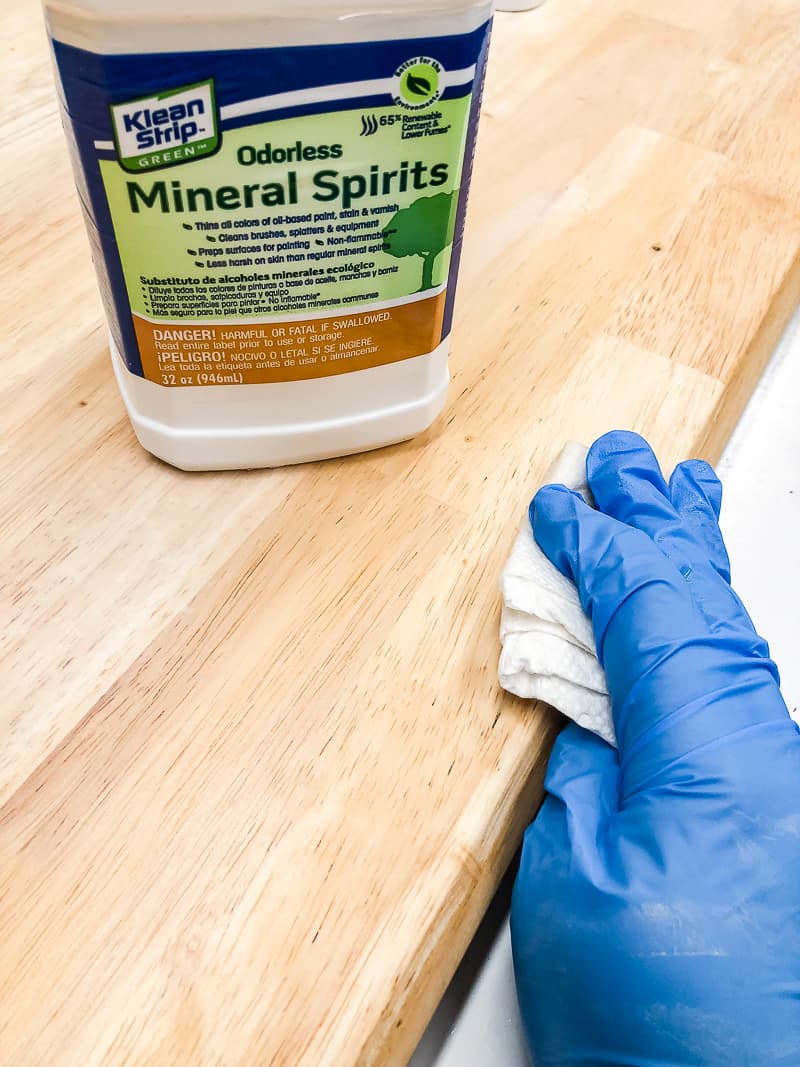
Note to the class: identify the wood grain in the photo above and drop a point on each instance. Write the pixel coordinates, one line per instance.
(257, 779)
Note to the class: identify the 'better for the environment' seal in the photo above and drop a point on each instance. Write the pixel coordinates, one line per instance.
(418, 83)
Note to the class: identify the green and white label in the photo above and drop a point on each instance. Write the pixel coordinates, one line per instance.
(333, 209)
(277, 214)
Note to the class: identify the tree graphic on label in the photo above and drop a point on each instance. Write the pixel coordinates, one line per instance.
(424, 228)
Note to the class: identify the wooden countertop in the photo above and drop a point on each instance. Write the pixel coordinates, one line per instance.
(257, 779)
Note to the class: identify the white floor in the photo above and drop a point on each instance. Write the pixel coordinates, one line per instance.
(478, 1024)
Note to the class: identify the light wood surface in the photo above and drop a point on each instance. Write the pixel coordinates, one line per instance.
(257, 779)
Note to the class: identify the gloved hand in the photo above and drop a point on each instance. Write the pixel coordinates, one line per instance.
(656, 914)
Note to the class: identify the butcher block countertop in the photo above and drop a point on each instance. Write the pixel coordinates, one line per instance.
(257, 779)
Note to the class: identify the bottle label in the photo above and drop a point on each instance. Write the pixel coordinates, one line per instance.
(274, 215)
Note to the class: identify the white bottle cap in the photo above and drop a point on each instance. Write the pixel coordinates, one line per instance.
(517, 5)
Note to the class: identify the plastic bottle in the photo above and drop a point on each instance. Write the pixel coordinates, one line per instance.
(275, 196)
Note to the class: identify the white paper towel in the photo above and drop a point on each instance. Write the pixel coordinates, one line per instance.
(548, 646)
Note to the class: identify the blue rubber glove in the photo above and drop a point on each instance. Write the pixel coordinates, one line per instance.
(656, 914)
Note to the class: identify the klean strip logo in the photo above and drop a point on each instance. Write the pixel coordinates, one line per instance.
(172, 127)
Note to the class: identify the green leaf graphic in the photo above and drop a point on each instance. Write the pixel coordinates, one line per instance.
(418, 86)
